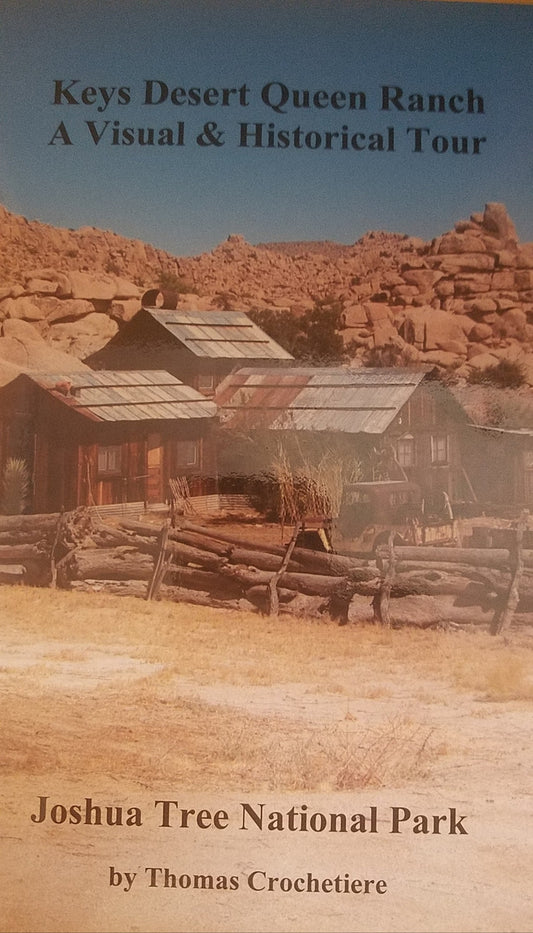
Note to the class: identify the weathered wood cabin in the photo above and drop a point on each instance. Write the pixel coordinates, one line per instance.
(500, 464)
(404, 425)
(199, 347)
(104, 438)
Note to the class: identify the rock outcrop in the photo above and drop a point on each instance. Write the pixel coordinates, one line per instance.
(462, 302)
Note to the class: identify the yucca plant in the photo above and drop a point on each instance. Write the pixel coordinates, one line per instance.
(15, 486)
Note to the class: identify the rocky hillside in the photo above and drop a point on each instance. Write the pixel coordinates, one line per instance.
(462, 302)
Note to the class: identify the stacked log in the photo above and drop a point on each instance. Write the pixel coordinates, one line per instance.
(489, 586)
(36, 543)
(206, 565)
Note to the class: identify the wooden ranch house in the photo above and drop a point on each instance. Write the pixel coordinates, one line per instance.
(107, 438)
(402, 424)
(500, 465)
(199, 347)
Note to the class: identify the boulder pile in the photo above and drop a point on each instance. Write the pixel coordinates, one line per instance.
(462, 302)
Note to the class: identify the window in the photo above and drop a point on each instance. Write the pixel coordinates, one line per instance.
(188, 453)
(110, 459)
(206, 381)
(439, 448)
(405, 451)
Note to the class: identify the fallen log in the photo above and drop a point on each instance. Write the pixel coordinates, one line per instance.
(258, 595)
(43, 523)
(137, 589)
(443, 567)
(182, 553)
(12, 573)
(203, 542)
(334, 564)
(108, 537)
(25, 536)
(230, 538)
(478, 557)
(20, 553)
(320, 561)
(260, 559)
(109, 564)
(208, 581)
(312, 584)
(440, 612)
(224, 543)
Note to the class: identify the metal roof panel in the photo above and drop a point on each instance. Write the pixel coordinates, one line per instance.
(222, 332)
(129, 395)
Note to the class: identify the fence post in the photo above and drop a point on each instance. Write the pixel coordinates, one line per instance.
(160, 564)
(273, 596)
(504, 616)
(381, 601)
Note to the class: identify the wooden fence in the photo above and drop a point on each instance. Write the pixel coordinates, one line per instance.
(205, 565)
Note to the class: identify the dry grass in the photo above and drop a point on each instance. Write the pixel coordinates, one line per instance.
(508, 675)
(148, 731)
(190, 742)
(235, 648)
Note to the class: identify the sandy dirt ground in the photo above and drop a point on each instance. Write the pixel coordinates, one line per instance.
(88, 720)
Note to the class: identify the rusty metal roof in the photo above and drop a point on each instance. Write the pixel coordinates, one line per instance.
(220, 334)
(125, 396)
(354, 401)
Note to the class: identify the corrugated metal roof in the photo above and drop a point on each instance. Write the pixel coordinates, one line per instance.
(219, 334)
(354, 401)
(151, 395)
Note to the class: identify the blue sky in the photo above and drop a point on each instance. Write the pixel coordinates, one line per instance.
(188, 198)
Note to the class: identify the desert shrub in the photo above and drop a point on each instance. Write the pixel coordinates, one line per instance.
(289, 476)
(170, 282)
(15, 486)
(314, 336)
(507, 374)
(388, 355)
(112, 267)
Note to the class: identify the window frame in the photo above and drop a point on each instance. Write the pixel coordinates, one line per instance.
(436, 442)
(206, 381)
(183, 460)
(109, 454)
(400, 454)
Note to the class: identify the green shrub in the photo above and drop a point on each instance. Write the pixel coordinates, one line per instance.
(15, 486)
(507, 374)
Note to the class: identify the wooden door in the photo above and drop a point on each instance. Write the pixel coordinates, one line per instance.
(154, 469)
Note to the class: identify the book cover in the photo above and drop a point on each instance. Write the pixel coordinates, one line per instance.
(266, 363)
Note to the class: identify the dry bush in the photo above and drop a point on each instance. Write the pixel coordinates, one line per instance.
(311, 478)
(342, 758)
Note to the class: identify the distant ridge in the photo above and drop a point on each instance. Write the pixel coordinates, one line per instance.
(461, 302)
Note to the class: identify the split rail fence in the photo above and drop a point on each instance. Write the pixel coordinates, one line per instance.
(490, 587)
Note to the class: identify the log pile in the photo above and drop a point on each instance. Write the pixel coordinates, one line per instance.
(33, 546)
(204, 565)
(492, 586)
